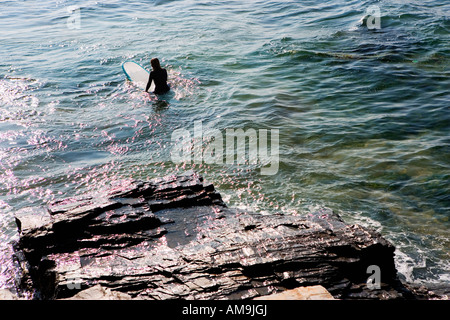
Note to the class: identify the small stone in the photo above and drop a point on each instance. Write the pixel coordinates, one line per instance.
(302, 293)
(98, 292)
(5, 294)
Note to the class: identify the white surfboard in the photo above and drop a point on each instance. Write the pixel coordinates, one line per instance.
(137, 74)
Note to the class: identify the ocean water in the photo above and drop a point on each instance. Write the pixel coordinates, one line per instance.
(362, 109)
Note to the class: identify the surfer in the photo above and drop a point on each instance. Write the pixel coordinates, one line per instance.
(159, 76)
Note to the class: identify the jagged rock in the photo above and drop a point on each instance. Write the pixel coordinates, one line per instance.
(174, 238)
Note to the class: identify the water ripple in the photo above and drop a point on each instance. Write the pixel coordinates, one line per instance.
(363, 114)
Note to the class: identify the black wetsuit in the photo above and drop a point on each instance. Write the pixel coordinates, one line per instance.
(160, 78)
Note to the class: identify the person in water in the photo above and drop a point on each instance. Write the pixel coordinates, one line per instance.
(159, 76)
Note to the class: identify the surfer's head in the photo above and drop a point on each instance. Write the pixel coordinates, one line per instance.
(155, 64)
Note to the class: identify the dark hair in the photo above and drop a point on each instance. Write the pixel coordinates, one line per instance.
(155, 64)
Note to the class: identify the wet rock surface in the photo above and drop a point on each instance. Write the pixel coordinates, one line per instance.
(174, 238)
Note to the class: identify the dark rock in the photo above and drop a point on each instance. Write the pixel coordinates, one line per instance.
(173, 237)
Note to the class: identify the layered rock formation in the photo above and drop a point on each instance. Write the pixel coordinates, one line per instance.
(174, 238)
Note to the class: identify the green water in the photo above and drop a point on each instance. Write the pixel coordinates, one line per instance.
(362, 115)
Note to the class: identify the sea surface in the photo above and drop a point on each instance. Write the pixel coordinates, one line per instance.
(359, 92)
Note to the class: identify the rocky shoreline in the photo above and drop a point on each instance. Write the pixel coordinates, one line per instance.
(175, 238)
